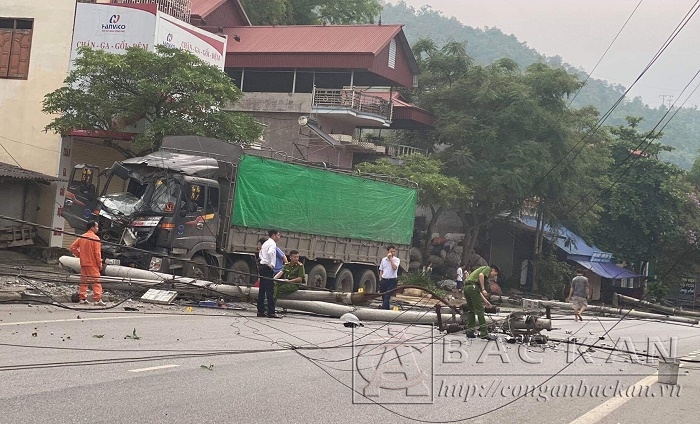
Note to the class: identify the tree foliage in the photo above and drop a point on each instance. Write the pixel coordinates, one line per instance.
(644, 202)
(172, 90)
(435, 190)
(311, 12)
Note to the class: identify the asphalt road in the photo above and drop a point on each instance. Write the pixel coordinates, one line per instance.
(209, 365)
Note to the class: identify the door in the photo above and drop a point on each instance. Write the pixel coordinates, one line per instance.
(81, 196)
(199, 217)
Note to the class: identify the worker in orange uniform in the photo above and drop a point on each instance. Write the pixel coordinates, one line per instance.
(88, 249)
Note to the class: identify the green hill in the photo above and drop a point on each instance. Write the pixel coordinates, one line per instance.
(488, 44)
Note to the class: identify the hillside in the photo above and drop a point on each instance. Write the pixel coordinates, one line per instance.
(488, 44)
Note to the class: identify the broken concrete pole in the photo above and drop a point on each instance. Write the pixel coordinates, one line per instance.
(657, 307)
(619, 311)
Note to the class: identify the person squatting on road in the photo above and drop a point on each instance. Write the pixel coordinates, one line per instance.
(89, 250)
(474, 293)
(388, 275)
(579, 293)
(268, 257)
(292, 274)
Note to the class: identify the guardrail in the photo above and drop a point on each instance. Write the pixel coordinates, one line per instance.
(352, 99)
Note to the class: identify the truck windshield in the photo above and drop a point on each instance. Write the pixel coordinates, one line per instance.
(165, 194)
(122, 203)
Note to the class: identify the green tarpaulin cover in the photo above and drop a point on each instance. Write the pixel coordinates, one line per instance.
(288, 197)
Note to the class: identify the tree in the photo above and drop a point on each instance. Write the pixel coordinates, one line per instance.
(436, 191)
(172, 90)
(644, 204)
(311, 12)
(500, 130)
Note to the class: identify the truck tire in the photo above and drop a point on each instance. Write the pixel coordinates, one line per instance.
(344, 281)
(240, 273)
(367, 280)
(196, 268)
(317, 277)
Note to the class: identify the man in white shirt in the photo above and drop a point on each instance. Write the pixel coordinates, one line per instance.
(388, 275)
(268, 253)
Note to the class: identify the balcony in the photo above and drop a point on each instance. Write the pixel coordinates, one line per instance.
(367, 110)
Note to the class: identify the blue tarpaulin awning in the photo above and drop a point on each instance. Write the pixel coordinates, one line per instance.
(608, 270)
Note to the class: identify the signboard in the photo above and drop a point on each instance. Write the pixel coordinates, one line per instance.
(115, 27)
(601, 257)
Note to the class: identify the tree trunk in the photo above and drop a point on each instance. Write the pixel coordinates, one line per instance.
(470, 228)
(435, 215)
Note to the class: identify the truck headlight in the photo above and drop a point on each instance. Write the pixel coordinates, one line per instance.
(155, 264)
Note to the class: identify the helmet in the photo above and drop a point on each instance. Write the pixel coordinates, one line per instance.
(350, 320)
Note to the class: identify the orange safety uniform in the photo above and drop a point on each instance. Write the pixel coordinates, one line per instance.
(89, 250)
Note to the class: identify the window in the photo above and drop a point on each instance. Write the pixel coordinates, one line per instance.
(15, 45)
(392, 54)
(213, 200)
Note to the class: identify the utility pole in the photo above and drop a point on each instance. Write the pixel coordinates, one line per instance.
(663, 99)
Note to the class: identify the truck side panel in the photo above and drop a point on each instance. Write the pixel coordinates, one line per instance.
(347, 250)
(291, 197)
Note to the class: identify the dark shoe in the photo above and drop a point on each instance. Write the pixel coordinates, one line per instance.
(274, 316)
(471, 335)
(260, 315)
(487, 337)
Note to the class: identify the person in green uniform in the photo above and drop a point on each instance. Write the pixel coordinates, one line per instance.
(474, 293)
(291, 275)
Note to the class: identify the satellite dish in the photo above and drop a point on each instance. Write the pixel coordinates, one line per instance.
(303, 120)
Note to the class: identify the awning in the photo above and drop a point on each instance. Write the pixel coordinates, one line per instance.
(608, 270)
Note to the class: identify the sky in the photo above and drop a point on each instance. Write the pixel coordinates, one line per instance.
(579, 31)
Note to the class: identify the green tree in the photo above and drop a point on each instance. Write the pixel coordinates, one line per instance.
(436, 191)
(311, 12)
(500, 130)
(172, 90)
(644, 204)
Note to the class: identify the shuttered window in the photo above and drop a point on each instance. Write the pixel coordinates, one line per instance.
(15, 47)
(392, 54)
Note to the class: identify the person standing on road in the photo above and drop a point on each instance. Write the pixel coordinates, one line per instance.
(579, 293)
(89, 250)
(460, 281)
(268, 259)
(388, 275)
(475, 294)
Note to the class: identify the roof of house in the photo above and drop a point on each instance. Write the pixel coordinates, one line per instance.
(12, 171)
(204, 8)
(324, 47)
(312, 38)
(405, 112)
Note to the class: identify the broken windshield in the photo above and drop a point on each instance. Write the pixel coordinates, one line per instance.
(121, 203)
(165, 195)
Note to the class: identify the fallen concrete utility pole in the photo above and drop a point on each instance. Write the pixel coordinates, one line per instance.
(672, 311)
(137, 277)
(618, 311)
(364, 314)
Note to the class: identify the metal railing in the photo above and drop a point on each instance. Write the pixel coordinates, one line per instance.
(351, 99)
(401, 150)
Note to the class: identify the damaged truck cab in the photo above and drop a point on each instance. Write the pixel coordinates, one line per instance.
(198, 206)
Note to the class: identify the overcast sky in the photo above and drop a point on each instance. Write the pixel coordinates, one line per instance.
(580, 30)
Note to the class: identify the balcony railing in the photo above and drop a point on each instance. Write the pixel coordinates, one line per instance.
(349, 98)
(401, 150)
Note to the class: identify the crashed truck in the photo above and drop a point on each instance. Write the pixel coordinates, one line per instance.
(198, 206)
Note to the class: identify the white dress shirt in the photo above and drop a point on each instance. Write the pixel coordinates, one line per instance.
(268, 253)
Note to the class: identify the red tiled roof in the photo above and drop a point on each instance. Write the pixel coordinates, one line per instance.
(314, 39)
(404, 111)
(204, 8)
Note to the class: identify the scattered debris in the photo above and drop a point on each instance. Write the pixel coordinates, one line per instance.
(98, 336)
(132, 336)
(161, 297)
(210, 367)
(131, 309)
(35, 334)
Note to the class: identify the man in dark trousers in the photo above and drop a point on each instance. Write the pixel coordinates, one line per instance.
(475, 295)
(388, 275)
(268, 257)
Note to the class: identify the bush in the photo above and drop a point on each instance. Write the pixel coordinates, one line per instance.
(552, 276)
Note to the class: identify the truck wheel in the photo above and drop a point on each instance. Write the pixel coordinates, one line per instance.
(196, 268)
(367, 280)
(344, 281)
(317, 277)
(239, 273)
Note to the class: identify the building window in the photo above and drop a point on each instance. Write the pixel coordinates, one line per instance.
(392, 54)
(15, 45)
